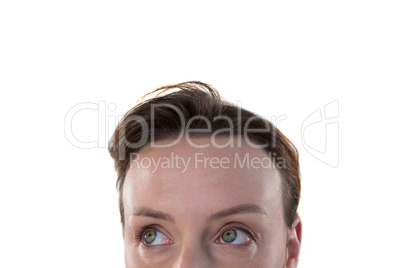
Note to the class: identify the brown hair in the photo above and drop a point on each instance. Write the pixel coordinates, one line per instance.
(166, 114)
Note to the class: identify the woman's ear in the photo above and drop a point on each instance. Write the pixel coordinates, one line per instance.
(294, 243)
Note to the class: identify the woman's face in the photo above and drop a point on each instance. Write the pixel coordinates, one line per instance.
(210, 207)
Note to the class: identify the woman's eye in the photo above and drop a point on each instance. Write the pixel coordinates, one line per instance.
(153, 237)
(234, 236)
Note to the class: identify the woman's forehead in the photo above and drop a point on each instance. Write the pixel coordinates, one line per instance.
(186, 176)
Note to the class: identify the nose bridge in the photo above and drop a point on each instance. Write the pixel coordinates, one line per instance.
(193, 255)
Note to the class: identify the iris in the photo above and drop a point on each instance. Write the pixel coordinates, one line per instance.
(229, 235)
(149, 237)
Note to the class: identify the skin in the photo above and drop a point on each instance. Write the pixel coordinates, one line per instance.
(191, 210)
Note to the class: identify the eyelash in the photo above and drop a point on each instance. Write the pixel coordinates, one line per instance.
(140, 234)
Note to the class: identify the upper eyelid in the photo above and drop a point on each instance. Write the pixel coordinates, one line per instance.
(154, 227)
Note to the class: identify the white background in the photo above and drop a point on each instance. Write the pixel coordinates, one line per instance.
(58, 203)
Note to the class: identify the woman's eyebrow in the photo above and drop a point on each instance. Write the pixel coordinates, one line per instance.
(149, 212)
(243, 208)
